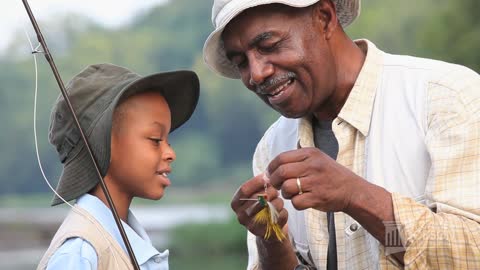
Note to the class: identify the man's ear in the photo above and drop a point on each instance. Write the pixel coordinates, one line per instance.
(325, 15)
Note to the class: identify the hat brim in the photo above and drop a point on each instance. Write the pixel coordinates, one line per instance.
(214, 51)
(180, 89)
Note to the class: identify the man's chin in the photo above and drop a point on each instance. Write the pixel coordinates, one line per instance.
(287, 111)
(291, 114)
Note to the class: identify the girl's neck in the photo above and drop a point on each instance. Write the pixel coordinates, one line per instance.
(121, 202)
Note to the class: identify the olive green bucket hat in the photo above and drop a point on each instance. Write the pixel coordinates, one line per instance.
(94, 93)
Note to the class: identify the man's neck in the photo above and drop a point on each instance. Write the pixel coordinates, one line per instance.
(349, 60)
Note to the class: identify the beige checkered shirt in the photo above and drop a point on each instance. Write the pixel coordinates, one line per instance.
(412, 126)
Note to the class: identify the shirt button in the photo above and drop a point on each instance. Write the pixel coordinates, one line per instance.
(354, 227)
(157, 259)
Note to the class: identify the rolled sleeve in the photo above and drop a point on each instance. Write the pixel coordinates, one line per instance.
(445, 233)
(436, 240)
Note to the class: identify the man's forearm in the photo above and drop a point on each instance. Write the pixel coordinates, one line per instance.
(276, 255)
(371, 206)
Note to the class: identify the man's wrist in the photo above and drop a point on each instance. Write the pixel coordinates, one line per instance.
(271, 244)
(371, 206)
(354, 196)
(275, 254)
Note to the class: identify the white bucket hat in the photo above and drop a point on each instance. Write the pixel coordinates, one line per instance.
(224, 11)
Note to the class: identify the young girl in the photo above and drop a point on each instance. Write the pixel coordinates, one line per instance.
(127, 119)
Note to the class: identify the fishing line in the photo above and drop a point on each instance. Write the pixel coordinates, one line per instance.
(56, 74)
(34, 52)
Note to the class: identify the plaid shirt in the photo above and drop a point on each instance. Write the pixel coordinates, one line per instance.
(412, 126)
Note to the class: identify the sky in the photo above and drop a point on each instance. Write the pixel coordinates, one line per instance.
(13, 16)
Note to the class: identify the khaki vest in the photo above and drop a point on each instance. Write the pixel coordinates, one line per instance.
(79, 223)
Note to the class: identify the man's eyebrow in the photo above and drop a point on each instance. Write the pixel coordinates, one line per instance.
(259, 38)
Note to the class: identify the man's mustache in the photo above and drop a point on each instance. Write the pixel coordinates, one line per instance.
(260, 89)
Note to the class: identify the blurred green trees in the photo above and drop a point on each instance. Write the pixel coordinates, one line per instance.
(193, 246)
(217, 144)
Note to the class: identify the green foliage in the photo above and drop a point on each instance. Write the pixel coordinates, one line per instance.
(217, 238)
(454, 35)
(446, 30)
(191, 244)
(216, 146)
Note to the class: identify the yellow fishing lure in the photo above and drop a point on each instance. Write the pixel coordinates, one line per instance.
(269, 216)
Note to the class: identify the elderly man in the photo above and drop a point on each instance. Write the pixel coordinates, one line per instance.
(377, 156)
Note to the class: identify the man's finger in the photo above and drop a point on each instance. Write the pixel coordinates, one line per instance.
(291, 187)
(288, 157)
(253, 209)
(272, 193)
(278, 204)
(283, 217)
(272, 197)
(286, 171)
(247, 190)
(246, 211)
(303, 201)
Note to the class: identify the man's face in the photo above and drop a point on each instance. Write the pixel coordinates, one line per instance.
(282, 55)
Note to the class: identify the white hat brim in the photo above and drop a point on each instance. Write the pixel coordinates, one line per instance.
(213, 49)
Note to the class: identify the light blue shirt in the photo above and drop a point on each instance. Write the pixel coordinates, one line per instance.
(78, 254)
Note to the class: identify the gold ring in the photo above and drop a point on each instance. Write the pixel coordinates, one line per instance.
(300, 191)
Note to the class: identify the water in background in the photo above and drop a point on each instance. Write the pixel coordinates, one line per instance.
(25, 233)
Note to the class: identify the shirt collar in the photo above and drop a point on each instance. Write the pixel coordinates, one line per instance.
(305, 132)
(139, 240)
(357, 110)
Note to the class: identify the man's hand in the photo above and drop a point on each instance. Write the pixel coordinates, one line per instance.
(272, 254)
(326, 185)
(247, 209)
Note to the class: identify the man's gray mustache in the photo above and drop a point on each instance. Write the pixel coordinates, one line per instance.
(260, 89)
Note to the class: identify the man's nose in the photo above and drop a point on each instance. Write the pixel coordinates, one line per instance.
(260, 70)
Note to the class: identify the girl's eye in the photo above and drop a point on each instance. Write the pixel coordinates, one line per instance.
(156, 141)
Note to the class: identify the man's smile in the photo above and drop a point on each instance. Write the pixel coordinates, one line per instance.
(280, 93)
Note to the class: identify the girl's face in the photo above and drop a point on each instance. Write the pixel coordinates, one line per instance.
(141, 156)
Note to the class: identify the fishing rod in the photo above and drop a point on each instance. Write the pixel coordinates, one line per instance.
(56, 74)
